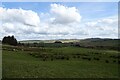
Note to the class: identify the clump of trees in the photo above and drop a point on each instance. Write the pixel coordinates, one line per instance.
(57, 41)
(0, 41)
(11, 40)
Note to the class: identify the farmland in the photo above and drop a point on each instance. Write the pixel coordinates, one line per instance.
(59, 62)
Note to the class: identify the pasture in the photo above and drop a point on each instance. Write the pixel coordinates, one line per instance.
(63, 62)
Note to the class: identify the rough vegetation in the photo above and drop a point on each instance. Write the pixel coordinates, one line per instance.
(59, 60)
(64, 62)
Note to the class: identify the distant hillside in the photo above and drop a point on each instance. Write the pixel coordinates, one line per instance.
(94, 42)
(97, 43)
(49, 41)
(100, 42)
(31, 41)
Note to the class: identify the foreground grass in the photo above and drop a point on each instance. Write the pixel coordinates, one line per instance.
(22, 65)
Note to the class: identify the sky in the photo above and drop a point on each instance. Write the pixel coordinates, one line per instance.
(59, 20)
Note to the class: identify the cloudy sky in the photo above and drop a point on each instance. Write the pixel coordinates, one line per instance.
(60, 20)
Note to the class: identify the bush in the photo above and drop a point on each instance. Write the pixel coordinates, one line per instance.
(106, 61)
(96, 59)
(67, 58)
(51, 59)
(89, 59)
(118, 62)
(114, 61)
(58, 42)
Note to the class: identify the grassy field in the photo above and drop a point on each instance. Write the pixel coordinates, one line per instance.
(49, 41)
(24, 62)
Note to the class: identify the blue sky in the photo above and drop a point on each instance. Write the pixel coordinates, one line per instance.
(92, 19)
(95, 9)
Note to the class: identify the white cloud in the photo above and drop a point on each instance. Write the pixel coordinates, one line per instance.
(60, 23)
(26, 17)
(18, 21)
(105, 27)
(64, 15)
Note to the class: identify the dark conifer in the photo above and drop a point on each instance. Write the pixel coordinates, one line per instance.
(11, 40)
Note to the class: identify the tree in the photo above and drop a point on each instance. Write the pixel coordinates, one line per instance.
(11, 40)
(0, 41)
(77, 44)
(58, 42)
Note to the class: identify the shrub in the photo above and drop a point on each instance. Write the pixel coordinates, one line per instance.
(67, 58)
(62, 57)
(106, 61)
(51, 59)
(89, 59)
(96, 59)
(74, 56)
(118, 62)
(114, 61)
(78, 56)
(44, 59)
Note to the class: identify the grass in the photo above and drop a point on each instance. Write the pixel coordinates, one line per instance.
(22, 65)
(49, 41)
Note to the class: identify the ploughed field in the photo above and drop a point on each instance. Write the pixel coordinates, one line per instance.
(63, 62)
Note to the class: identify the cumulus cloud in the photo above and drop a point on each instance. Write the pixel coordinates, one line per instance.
(105, 27)
(60, 22)
(18, 21)
(64, 15)
(104, 23)
(26, 17)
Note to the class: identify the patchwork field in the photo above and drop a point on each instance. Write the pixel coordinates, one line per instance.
(64, 62)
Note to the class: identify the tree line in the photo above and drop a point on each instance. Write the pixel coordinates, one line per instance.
(11, 40)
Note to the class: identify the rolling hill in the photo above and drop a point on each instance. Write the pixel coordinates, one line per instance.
(88, 41)
(50, 41)
(100, 42)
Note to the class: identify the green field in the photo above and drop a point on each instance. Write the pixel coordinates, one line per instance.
(49, 41)
(25, 62)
